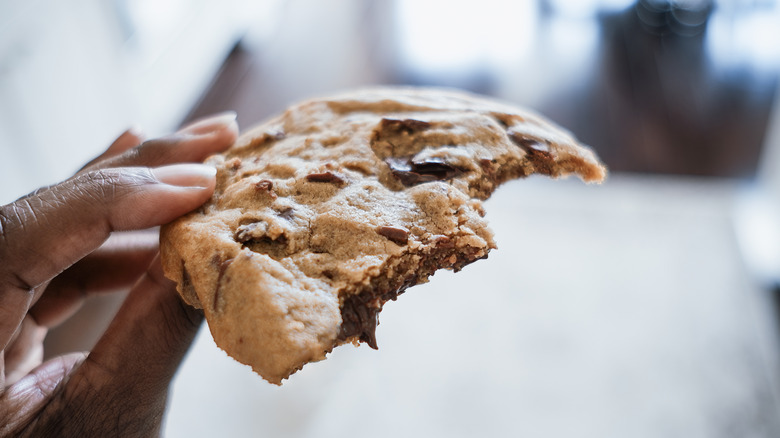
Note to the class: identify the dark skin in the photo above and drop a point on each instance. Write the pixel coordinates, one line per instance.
(55, 251)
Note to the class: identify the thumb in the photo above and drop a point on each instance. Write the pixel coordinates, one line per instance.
(122, 385)
(149, 335)
(49, 230)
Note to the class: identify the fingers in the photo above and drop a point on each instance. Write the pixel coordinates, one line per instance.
(41, 382)
(122, 386)
(127, 140)
(191, 144)
(113, 267)
(127, 375)
(23, 401)
(42, 234)
(25, 352)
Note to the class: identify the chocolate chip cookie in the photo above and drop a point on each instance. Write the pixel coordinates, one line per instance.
(323, 214)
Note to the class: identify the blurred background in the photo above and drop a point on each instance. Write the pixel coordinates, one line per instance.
(645, 307)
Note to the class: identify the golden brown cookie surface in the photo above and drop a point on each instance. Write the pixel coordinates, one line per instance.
(327, 211)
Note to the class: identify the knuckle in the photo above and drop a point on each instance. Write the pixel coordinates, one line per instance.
(13, 218)
(109, 184)
(134, 154)
(153, 152)
(5, 222)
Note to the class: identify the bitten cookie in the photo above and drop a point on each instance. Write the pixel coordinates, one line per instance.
(326, 212)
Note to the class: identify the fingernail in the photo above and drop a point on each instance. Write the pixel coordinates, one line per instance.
(134, 134)
(136, 131)
(214, 123)
(186, 175)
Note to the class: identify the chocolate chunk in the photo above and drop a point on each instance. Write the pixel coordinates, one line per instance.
(222, 268)
(408, 126)
(325, 177)
(488, 166)
(360, 319)
(186, 288)
(186, 280)
(412, 172)
(360, 311)
(436, 168)
(397, 235)
(530, 145)
(265, 186)
(538, 152)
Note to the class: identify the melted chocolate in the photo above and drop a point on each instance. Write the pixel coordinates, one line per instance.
(222, 268)
(360, 311)
(538, 152)
(412, 173)
(265, 186)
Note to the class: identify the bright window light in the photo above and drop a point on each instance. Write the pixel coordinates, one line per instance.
(442, 36)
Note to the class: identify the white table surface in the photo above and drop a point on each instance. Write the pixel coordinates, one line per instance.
(620, 310)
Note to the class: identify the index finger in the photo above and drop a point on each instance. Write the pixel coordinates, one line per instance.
(113, 267)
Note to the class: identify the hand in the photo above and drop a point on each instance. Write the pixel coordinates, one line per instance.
(51, 258)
